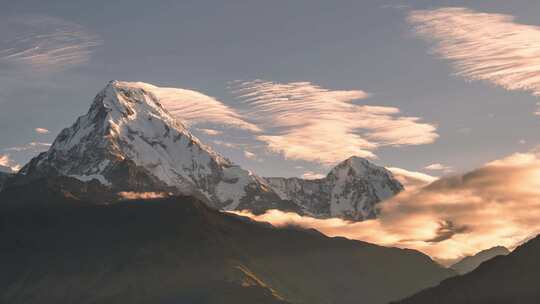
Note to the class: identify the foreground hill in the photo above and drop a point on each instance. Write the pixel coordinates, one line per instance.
(504, 279)
(58, 248)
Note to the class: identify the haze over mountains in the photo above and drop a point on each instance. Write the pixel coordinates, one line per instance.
(470, 263)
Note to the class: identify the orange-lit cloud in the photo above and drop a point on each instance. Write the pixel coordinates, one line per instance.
(484, 46)
(307, 122)
(42, 130)
(411, 179)
(497, 204)
(439, 167)
(7, 162)
(142, 195)
(210, 132)
(312, 175)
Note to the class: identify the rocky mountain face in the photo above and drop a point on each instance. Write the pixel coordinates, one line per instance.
(470, 263)
(58, 248)
(510, 279)
(128, 142)
(350, 190)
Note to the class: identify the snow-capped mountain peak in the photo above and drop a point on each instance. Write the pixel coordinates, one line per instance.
(350, 190)
(359, 165)
(129, 142)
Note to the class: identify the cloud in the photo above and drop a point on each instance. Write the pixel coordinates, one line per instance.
(42, 130)
(193, 108)
(411, 179)
(210, 132)
(32, 146)
(483, 46)
(142, 195)
(45, 43)
(5, 161)
(312, 175)
(497, 204)
(438, 167)
(250, 155)
(228, 144)
(305, 121)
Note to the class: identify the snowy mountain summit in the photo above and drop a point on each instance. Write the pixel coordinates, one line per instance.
(350, 190)
(128, 142)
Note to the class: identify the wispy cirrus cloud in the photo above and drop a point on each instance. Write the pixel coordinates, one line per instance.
(438, 167)
(305, 121)
(193, 108)
(45, 43)
(484, 46)
(31, 146)
(210, 132)
(497, 204)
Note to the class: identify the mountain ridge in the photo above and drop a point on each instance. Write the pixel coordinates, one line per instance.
(128, 141)
(506, 279)
(59, 248)
(350, 190)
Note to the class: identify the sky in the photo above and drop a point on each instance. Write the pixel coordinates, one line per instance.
(289, 88)
(411, 102)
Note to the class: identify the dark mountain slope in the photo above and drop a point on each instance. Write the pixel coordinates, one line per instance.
(514, 278)
(59, 249)
(5, 174)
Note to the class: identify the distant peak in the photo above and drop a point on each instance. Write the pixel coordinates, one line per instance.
(357, 163)
(357, 159)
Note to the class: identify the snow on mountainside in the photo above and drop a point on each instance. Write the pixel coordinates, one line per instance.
(129, 142)
(350, 190)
